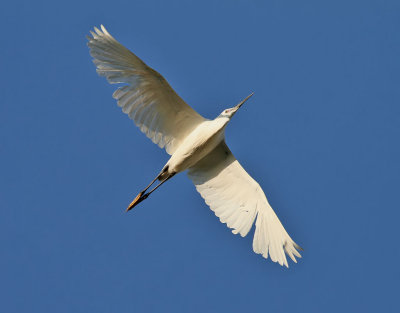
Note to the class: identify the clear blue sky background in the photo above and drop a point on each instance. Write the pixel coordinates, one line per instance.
(321, 135)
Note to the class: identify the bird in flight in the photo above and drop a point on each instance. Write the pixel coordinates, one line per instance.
(195, 144)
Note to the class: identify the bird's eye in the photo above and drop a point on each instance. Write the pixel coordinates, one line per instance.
(226, 111)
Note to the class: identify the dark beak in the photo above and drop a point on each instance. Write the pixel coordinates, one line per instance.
(243, 101)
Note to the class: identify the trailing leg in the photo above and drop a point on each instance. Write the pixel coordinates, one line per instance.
(163, 177)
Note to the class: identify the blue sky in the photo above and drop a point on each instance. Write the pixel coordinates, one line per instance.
(321, 135)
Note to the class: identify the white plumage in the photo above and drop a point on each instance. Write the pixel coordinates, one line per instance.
(195, 144)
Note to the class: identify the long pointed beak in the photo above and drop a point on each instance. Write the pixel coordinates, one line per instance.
(243, 101)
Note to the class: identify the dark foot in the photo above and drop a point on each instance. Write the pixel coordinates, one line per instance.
(139, 198)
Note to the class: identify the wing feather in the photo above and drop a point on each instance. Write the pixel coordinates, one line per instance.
(238, 200)
(147, 97)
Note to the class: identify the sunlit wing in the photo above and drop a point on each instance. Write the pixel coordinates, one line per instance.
(146, 96)
(237, 199)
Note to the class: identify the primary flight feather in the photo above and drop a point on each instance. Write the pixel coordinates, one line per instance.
(195, 144)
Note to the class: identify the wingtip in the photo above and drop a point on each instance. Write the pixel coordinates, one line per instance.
(96, 32)
(298, 247)
(104, 30)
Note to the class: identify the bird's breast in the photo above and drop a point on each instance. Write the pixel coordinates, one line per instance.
(197, 145)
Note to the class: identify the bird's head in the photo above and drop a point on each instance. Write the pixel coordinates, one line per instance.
(228, 113)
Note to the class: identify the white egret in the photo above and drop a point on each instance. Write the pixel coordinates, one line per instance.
(195, 144)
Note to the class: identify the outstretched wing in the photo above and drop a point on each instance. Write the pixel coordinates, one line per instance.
(146, 96)
(237, 199)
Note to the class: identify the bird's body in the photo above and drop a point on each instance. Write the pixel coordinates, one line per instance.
(200, 142)
(195, 144)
